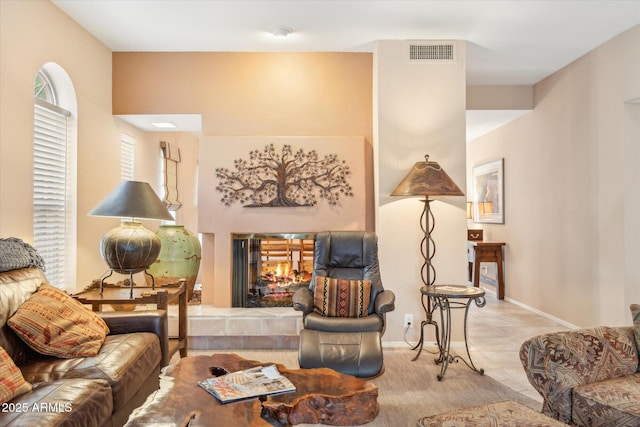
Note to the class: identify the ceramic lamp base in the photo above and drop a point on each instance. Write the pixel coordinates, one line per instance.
(130, 248)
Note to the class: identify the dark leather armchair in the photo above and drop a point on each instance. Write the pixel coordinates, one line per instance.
(350, 345)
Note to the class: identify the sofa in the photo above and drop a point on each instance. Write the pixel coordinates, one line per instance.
(83, 391)
(587, 377)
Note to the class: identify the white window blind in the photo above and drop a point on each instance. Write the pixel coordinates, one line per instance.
(127, 157)
(50, 214)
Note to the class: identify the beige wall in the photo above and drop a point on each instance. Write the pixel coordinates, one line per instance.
(571, 189)
(296, 94)
(419, 109)
(33, 33)
(148, 168)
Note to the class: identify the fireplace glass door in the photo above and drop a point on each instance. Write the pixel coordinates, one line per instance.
(268, 269)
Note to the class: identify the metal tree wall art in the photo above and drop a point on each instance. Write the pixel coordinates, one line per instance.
(284, 177)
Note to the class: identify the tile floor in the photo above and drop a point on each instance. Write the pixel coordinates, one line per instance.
(496, 332)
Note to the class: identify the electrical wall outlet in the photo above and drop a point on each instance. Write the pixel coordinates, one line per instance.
(408, 320)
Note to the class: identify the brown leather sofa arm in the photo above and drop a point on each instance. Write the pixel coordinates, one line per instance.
(385, 302)
(154, 321)
(303, 300)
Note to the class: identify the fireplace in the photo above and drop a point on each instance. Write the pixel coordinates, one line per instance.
(268, 268)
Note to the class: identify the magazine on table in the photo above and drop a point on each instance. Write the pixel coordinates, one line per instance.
(258, 381)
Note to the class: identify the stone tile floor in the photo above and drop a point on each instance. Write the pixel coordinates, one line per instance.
(496, 332)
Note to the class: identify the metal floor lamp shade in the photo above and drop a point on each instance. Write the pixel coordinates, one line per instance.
(130, 248)
(424, 180)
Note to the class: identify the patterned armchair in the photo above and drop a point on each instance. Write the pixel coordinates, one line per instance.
(587, 377)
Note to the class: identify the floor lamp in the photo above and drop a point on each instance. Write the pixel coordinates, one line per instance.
(424, 180)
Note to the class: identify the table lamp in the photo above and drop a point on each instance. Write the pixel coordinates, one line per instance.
(485, 208)
(130, 248)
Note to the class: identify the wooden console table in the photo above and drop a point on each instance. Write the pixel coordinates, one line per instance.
(160, 296)
(486, 252)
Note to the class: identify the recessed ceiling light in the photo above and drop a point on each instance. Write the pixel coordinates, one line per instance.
(281, 31)
(164, 125)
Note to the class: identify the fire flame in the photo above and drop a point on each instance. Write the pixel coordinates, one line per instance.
(282, 272)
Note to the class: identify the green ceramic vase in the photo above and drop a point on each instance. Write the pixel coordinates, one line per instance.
(179, 257)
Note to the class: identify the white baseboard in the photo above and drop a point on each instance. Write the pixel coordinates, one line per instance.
(542, 313)
(531, 309)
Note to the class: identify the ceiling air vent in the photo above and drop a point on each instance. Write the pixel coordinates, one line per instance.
(432, 52)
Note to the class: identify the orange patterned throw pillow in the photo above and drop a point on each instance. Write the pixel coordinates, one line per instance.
(53, 323)
(12, 383)
(341, 297)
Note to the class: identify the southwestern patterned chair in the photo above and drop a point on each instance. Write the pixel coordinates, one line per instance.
(587, 377)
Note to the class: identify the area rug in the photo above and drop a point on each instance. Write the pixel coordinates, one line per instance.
(410, 390)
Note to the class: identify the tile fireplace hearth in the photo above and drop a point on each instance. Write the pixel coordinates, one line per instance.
(268, 268)
(215, 328)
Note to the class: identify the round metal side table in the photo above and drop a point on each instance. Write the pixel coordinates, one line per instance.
(447, 298)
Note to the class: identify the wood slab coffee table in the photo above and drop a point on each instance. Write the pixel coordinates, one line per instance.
(322, 396)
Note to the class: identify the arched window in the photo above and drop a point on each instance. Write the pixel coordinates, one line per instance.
(43, 88)
(54, 173)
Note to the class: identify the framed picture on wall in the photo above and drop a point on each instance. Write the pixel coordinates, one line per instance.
(488, 192)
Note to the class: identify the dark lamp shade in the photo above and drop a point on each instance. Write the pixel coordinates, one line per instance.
(427, 179)
(132, 199)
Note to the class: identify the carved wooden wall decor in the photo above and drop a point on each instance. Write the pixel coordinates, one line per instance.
(284, 177)
(172, 159)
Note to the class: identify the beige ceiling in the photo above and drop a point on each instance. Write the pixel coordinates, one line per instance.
(508, 41)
